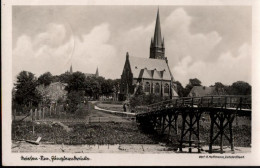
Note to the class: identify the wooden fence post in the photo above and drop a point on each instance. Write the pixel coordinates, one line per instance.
(31, 111)
(40, 114)
(43, 111)
(35, 114)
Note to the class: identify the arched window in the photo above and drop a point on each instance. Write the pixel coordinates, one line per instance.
(157, 88)
(166, 88)
(147, 87)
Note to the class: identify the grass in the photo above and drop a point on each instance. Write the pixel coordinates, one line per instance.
(100, 133)
(114, 107)
(115, 133)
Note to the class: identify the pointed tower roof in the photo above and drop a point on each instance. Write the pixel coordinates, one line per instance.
(71, 69)
(97, 74)
(157, 32)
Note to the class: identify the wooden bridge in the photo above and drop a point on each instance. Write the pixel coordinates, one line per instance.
(222, 110)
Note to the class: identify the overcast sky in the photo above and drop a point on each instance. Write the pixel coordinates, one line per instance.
(211, 43)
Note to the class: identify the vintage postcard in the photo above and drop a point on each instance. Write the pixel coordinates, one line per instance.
(130, 83)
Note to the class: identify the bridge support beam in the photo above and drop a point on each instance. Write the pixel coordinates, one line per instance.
(219, 123)
(165, 122)
(190, 129)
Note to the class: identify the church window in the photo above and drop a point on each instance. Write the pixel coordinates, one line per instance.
(166, 88)
(157, 88)
(147, 87)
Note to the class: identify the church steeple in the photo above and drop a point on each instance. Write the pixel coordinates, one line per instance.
(71, 69)
(97, 74)
(157, 32)
(157, 43)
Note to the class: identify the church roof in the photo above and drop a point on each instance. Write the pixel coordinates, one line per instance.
(149, 68)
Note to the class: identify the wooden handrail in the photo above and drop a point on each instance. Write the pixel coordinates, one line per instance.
(211, 101)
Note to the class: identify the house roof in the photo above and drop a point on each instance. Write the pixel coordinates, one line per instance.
(202, 91)
(149, 68)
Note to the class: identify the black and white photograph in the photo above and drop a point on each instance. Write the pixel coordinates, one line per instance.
(90, 81)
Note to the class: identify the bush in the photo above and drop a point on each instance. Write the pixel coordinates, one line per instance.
(142, 99)
(75, 98)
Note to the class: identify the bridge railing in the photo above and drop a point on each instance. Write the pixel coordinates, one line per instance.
(231, 101)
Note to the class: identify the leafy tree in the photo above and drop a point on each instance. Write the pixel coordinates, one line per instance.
(180, 89)
(116, 84)
(220, 88)
(56, 78)
(93, 87)
(75, 98)
(240, 88)
(195, 82)
(45, 79)
(65, 77)
(107, 87)
(140, 90)
(192, 82)
(26, 93)
(77, 82)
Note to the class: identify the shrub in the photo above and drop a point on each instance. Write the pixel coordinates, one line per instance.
(142, 99)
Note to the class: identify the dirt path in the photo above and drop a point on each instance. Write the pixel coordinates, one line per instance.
(97, 113)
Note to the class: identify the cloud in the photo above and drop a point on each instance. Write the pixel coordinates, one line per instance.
(180, 42)
(226, 69)
(183, 48)
(93, 50)
(51, 51)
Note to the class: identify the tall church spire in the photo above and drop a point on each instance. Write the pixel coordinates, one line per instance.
(157, 43)
(71, 69)
(97, 74)
(157, 32)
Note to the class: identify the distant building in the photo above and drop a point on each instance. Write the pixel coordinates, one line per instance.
(152, 73)
(53, 92)
(92, 75)
(86, 74)
(199, 91)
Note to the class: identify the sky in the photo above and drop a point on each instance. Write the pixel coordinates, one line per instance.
(211, 43)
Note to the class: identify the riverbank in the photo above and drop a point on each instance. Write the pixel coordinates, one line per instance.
(23, 147)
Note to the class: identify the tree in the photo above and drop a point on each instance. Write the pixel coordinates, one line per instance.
(93, 87)
(45, 79)
(240, 88)
(180, 89)
(75, 98)
(195, 82)
(26, 93)
(65, 77)
(220, 88)
(192, 82)
(77, 82)
(140, 90)
(107, 87)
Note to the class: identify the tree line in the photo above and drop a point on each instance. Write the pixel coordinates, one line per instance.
(78, 86)
(236, 88)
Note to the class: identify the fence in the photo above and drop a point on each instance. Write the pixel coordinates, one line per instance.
(40, 113)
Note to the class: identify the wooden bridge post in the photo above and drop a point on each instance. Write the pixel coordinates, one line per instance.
(184, 116)
(231, 119)
(191, 115)
(169, 123)
(211, 131)
(221, 121)
(163, 124)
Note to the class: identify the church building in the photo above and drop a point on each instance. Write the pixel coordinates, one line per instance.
(152, 73)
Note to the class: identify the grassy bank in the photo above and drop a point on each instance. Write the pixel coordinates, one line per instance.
(100, 133)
